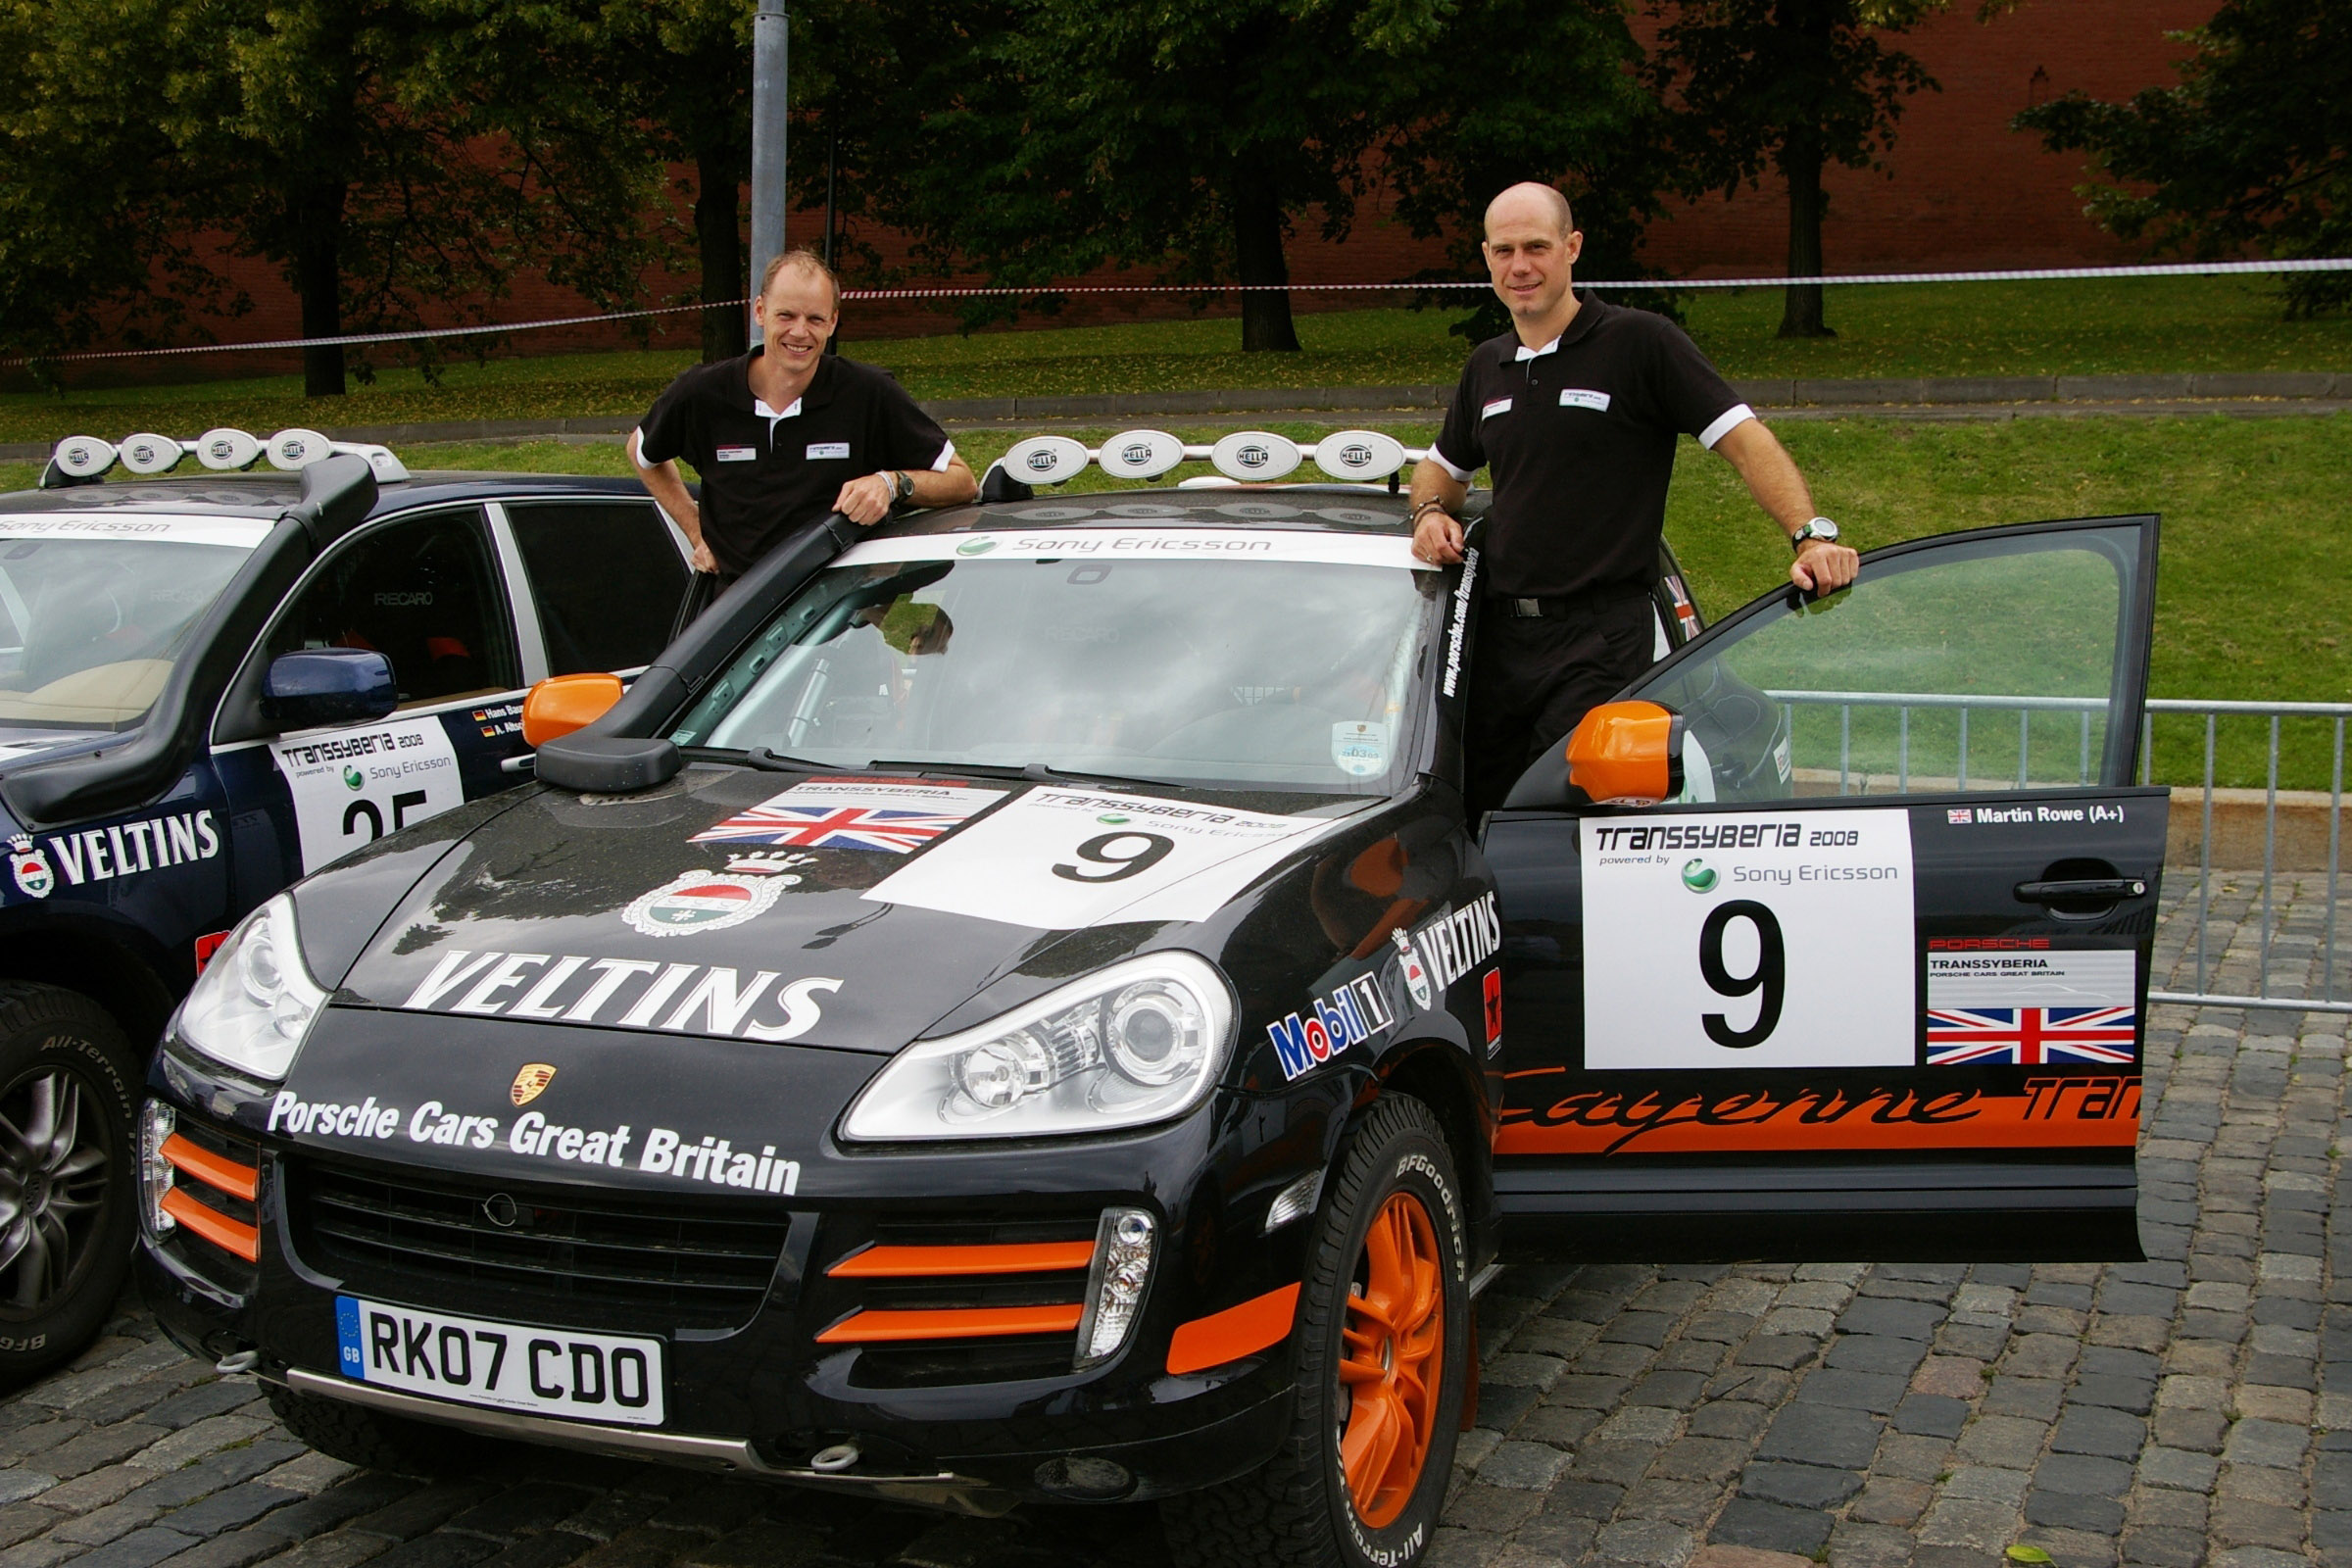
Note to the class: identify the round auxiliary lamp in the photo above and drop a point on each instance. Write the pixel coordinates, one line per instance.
(1249, 456)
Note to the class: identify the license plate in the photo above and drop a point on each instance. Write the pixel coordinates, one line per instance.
(585, 1377)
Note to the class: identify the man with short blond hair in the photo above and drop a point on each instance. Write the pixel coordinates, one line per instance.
(1577, 410)
(789, 434)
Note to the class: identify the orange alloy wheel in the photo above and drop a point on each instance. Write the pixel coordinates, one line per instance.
(1391, 1355)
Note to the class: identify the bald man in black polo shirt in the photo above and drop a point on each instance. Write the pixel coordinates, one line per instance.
(786, 435)
(1577, 410)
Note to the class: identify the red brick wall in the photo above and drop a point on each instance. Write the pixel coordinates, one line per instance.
(1960, 190)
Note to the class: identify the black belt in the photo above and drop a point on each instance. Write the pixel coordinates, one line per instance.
(1564, 607)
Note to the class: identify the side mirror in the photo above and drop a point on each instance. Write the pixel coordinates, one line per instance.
(561, 704)
(329, 686)
(1623, 754)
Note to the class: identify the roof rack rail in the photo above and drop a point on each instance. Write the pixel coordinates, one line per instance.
(85, 459)
(1243, 456)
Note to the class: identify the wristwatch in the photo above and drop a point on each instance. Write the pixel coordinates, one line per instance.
(902, 484)
(1821, 528)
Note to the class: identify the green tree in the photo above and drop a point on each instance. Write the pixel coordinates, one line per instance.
(1193, 140)
(2251, 150)
(1796, 84)
(1573, 110)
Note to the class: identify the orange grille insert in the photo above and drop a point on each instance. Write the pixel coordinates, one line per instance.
(914, 1263)
(229, 1235)
(952, 1323)
(215, 1170)
(1233, 1333)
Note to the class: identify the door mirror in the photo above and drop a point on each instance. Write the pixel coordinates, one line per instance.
(321, 686)
(1623, 754)
(561, 704)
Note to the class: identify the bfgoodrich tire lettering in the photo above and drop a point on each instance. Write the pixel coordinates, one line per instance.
(1394, 1188)
(68, 1084)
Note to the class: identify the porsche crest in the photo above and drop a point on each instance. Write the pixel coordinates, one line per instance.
(530, 1082)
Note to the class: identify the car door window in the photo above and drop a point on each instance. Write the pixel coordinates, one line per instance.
(607, 579)
(422, 592)
(1986, 665)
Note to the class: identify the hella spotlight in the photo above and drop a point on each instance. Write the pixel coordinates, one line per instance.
(1359, 454)
(83, 456)
(1254, 455)
(226, 449)
(297, 447)
(146, 453)
(1045, 460)
(1140, 454)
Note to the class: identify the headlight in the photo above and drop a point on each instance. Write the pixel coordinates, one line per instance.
(1139, 1041)
(256, 1000)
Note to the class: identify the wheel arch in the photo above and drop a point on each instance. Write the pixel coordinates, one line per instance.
(1441, 1076)
(110, 967)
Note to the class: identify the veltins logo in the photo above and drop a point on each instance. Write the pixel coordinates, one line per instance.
(976, 546)
(530, 1082)
(1416, 978)
(1699, 876)
(31, 868)
(701, 901)
(352, 778)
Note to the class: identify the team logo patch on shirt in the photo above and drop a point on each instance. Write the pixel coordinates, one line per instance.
(738, 454)
(819, 450)
(1578, 397)
(1498, 405)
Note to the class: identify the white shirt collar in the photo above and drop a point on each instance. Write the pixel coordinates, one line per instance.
(760, 407)
(1526, 352)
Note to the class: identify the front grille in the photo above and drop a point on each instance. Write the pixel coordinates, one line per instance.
(954, 1283)
(235, 1158)
(605, 1259)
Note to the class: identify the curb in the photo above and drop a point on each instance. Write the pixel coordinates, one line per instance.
(2201, 392)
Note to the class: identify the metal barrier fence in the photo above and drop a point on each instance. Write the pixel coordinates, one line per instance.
(1945, 734)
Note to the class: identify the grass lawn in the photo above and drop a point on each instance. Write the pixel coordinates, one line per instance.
(2096, 327)
(2254, 598)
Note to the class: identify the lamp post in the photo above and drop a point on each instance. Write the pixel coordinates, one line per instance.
(771, 33)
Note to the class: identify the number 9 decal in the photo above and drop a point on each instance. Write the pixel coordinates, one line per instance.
(1099, 849)
(1771, 974)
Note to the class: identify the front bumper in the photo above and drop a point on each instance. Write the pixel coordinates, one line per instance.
(760, 1381)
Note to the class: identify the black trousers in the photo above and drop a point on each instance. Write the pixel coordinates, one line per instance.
(1533, 679)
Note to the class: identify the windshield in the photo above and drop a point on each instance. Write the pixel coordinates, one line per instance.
(1293, 672)
(93, 611)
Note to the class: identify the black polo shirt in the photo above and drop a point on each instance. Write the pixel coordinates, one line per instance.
(1580, 435)
(768, 472)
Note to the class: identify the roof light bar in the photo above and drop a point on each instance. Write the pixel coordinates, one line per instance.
(1245, 456)
(84, 459)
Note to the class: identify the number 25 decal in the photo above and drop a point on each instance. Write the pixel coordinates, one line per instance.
(1771, 974)
(1122, 866)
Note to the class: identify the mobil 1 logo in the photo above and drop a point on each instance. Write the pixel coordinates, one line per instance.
(1776, 939)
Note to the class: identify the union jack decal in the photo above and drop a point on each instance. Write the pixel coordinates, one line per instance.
(831, 827)
(2030, 1036)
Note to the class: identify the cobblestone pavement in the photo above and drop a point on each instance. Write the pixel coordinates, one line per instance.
(2195, 1408)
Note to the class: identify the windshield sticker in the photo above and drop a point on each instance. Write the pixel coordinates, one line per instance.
(689, 1157)
(576, 989)
(1464, 593)
(851, 813)
(705, 900)
(1359, 748)
(118, 850)
(353, 787)
(1062, 860)
(1350, 1016)
(1749, 941)
(1148, 544)
(240, 534)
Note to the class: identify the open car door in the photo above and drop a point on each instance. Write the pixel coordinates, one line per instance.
(1874, 985)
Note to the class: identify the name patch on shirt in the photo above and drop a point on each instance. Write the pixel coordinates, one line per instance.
(1498, 405)
(1577, 397)
(738, 454)
(828, 449)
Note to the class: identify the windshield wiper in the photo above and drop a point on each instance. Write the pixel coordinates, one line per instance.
(1027, 773)
(761, 757)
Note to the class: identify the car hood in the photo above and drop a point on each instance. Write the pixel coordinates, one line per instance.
(850, 912)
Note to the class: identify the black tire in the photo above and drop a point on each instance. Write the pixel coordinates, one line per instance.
(70, 1085)
(1297, 1511)
(373, 1441)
